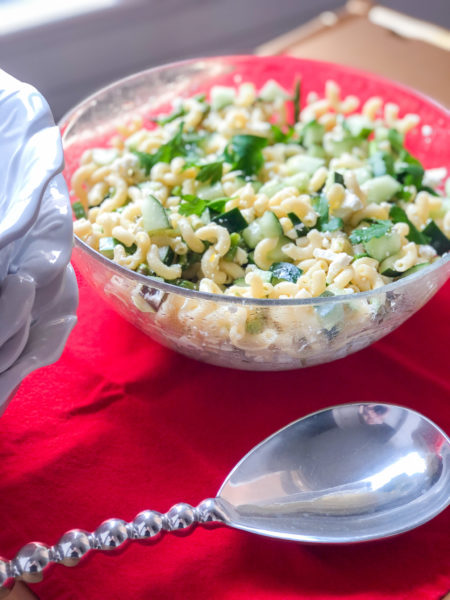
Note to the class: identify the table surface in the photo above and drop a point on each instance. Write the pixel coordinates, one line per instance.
(121, 423)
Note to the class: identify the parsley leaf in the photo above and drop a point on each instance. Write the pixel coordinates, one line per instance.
(181, 112)
(193, 205)
(244, 153)
(180, 145)
(396, 140)
(398, 215)
(410, 174)
(279, 137)
(325, 222)
(379, 228)
(210, 172)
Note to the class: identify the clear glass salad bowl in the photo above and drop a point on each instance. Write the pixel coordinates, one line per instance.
(247, 333)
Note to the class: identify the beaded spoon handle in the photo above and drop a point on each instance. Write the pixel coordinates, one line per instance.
(351, 473)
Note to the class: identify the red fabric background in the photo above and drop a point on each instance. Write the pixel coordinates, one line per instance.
(120, 424)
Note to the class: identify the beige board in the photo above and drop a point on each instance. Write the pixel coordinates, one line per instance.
(375, 39)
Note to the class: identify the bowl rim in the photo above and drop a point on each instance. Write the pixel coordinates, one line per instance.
(66, 120)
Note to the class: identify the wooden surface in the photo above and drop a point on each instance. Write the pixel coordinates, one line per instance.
(352, 39)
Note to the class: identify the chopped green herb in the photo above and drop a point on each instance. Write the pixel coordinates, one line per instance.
(210, 172)
(396, 140)
(193, 205)
(244, 153)
(180, 145)
(377, 229)
(398, 215)
(403, 195)
(279, 136)
(297, 100)
(312, 134)
(325, 222)
(78, 210)
(180, 112)
(410, 174)
(427, 188)
(284, 271)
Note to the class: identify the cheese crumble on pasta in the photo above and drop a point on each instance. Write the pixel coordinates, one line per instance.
(244, 194)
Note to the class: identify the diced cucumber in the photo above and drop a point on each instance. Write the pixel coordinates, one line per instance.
(153, 215)
(272, 187)
(303, 163)
(359, 126)
(252, 234)
(206, 216)
(166, 254)
(270, 225)
(336, 147)
(222, 96)
(106, 246)
(312, 134)
(272, 91)
(384, 246)
(299, 181)
(284, 271)
(300, 228)
(381, 133)
(362, 174)
(317, 151)
(267, 226)
(387, 266)
(255, 324)
(232, 220)
(415, 269)
(438, 239)
(277, 254)
(331, 315)
(210, 192)
(380, 189)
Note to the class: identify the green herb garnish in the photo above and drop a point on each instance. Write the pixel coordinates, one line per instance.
(193, 205)
(378, 228)
(210, 172)
(180, 112)
(78, 210)
(244, 153)
(324, 221)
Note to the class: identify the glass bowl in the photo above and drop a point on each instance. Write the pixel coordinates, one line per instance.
(246, 333)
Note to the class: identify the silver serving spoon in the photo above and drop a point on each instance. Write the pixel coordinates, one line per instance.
(350, 473)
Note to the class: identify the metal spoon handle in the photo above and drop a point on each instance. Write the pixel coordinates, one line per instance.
(33, 558)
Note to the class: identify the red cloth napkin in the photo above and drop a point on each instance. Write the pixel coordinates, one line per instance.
(121, 423)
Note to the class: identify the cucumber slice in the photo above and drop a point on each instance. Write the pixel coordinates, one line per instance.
(299, 181)
(387, 266)
(272, 187)
(210, 192)
(362, 174)
(153, 215)
(303, 163)
(270, 225)
(277, 255)
(252, 234)
(381, 189)
(222, 96)
(384, 246)
(338, 147)
(284, 271)
(438, 239)
(317, 151)
(312, 134)
(232, 220)
(300, 228)
(414, 269)
(272, 91)
(359, 126)
(106, 246)
(240, 282)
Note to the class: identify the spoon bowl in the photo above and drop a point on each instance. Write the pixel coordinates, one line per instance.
(345, 474)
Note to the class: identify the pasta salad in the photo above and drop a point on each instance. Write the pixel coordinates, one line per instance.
(245, 194)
